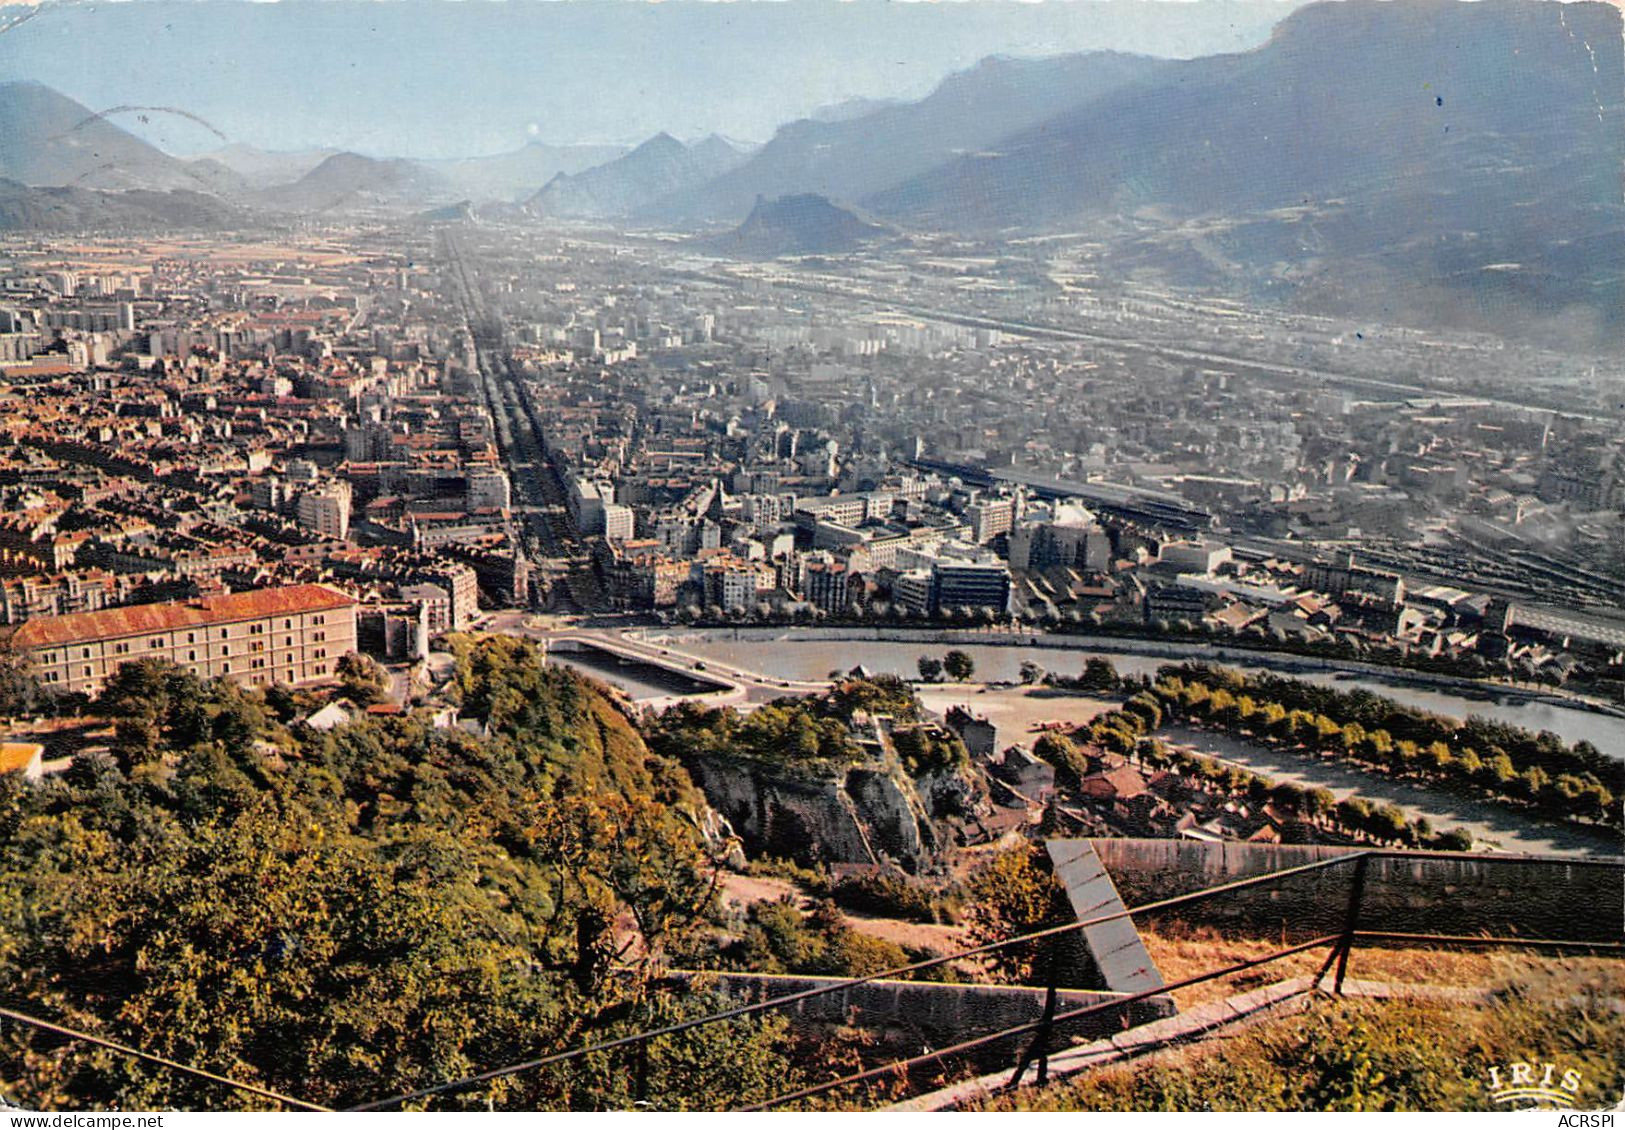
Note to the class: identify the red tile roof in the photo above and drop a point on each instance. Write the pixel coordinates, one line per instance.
(1122, 783)
(143, 619)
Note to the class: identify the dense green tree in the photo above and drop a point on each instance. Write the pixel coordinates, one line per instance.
(1288, 796)
(876, 694)
(1195, 700)
(1146, 707)
(1154, 753)
(361, 680)
(1071, 766)
(1388, 822)
(1115, 737)
(1453, 840)
(1354, 813)
(344, 915)
(1328, 734)
(929, 749)
(958, 665)
(1530, 783)
(1319, 802)
(1517, 767)
(1498, 769)
(1012, 895)
(1273, 720)
(1258, 789)
(780, 938)
(1437, 758)
(1099, 674)
(21, 691)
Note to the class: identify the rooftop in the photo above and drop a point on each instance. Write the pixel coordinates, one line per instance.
(141, 619)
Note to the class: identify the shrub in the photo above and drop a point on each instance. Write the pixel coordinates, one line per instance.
(892, 896)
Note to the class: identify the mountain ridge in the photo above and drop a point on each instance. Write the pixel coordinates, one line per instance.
(659, 166)
(47, 139)
(68, 208)
(349, 180)
(1323, 114)
(849, 159)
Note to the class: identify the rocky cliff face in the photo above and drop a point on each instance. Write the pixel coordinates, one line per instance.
(873, 813)
(893, 815)
(780, 815)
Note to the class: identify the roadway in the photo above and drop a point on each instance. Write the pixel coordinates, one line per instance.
(550, 544)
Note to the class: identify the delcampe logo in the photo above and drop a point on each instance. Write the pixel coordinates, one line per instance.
(1523, 1085)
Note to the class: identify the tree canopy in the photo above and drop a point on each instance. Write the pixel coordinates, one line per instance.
(958, 665)
(344, 915)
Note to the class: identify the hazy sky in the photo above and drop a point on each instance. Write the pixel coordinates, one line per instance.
(434, 78)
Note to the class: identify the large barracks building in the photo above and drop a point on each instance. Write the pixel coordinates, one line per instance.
(291, 635)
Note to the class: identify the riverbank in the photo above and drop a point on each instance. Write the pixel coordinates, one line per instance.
(1291, 662)
(809, 654)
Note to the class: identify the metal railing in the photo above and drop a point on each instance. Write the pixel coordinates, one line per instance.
(1340, 947)
(1043, 1031)
(94, 1040)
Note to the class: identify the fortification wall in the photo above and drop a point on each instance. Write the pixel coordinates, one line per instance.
(928, 1013)
(1443, 893)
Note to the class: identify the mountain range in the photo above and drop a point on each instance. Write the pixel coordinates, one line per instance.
(1437, 162)
(853, 157)
(656, 169)
(48, 139)
(263, 168)
(517, 175)
(1359, 101)
(72, 209)
(1460, 159)
(347, 181)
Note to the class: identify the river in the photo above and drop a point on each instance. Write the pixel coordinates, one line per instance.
(809, 654)
(641, 681)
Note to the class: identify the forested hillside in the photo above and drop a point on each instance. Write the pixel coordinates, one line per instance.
(345, 915)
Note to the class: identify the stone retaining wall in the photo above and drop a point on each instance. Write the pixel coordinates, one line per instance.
(928, 1013)
(1443, 893)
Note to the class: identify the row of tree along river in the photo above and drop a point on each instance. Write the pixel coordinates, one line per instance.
(811, 654)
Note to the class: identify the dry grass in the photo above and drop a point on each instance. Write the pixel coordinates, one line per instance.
(1195, 951)
(1380, 1055)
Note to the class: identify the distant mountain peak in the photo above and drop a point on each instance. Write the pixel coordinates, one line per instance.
(1367, 150)
(346, 179)
(47, 139)
(659, 166)
(516, 173)
(802, 223)
(879, 145)
(715, 144)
